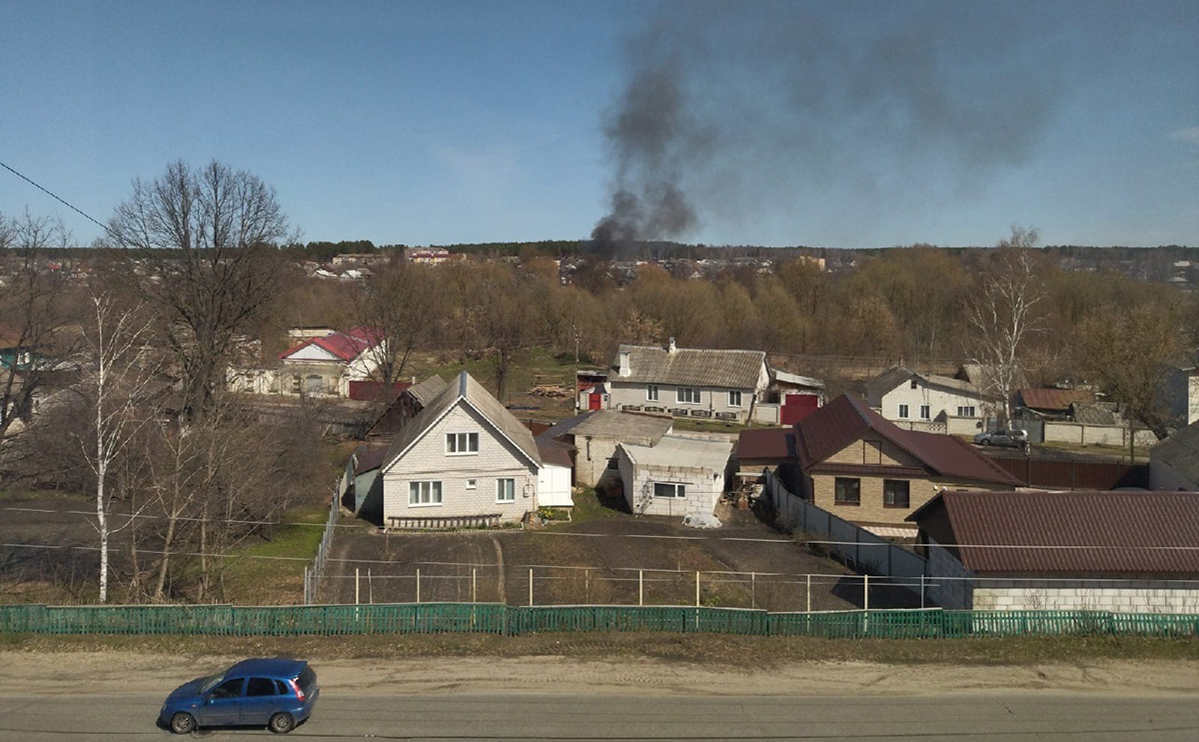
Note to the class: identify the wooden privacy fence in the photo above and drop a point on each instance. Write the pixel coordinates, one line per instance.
(855, 546)
(1074, 474)
(493, 618)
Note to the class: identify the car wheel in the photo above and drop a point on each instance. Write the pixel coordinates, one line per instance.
(985, 442)
(281, 723)
(183, 723)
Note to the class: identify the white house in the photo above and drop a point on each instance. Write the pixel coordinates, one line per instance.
(677, 476)
(326, 365)
(903, 395)
(687, 382)
(463, 460)
(1178, 394)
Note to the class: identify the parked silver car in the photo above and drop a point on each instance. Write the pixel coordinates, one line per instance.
(1010, 437)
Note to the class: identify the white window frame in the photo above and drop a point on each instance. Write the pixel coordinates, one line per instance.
(903, 412)
(459, 444)
(689, 392)
(734, 398)
(508, 484)
(678, 488)
(651, 392)
(429, 491)
(472, 484)
(925, 412)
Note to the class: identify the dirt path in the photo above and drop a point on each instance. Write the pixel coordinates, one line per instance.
(125, 673)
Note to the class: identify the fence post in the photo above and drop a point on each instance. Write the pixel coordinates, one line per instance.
(474, 585)
(865, 592)
(641, 587)
(753, 589)
(697, 589)
(418, 584)
(530, 587)
(809, 593)
(357, 586)
(921, 591)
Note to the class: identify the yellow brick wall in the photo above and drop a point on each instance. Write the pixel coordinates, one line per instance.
(871, 509)
(873, 451)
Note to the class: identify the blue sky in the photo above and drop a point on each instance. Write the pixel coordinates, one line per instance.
(839, 124)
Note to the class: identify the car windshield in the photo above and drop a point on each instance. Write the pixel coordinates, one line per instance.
(212, 682)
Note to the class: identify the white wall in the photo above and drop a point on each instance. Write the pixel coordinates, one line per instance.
(428, 461)
(703, 488)
(1134, 597)
(938, 399)
(712, 399)
(1094, 435)
(553, 487)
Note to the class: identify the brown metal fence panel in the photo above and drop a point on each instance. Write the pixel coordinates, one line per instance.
(1077, 474)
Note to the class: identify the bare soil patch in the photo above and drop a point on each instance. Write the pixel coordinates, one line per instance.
(619, 559)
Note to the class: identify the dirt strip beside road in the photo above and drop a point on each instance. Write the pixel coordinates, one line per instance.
(128, 673)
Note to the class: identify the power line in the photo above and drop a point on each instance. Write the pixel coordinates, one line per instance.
(53, 196)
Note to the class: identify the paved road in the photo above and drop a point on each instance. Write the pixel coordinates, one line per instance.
(446, 717)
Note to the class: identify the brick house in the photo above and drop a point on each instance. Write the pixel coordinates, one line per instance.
(851, 461)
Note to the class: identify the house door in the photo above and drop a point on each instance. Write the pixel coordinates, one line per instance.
(796, 407)
(595, 401)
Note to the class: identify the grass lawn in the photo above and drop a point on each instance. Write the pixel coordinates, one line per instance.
(272, 572)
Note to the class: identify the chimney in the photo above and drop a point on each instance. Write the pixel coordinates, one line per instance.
(670, 348)
(624, 363)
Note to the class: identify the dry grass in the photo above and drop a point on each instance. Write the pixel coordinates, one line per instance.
(708, 649)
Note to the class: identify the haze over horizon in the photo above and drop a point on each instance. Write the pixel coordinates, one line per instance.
(866, 124)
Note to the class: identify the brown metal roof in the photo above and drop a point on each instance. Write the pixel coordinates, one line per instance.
(1072, 532)
(766, 443)
(844, 420)
(1055, 399)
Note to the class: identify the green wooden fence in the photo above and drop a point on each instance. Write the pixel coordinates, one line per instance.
(495, 618)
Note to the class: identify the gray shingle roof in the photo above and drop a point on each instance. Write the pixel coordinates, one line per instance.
(426, 391)
(732, 369)
(1180, 452)
(464, 389)
(896, 375)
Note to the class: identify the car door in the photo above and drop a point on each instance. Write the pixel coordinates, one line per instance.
(262, 699)
(222, 707)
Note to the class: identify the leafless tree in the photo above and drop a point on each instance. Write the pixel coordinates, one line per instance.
(1126, 351)
(207, 239)
(394, 304)
(1004, 310)
(34, 309)
(116, 373)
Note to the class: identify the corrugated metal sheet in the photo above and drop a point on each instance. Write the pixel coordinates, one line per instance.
(1076, 532)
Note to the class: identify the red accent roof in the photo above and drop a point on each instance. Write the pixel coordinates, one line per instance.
(344, 345)
(1072, 532)
(844, 420)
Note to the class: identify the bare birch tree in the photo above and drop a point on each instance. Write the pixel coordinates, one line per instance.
(1004, 311)
(208, 240)
(115, 375)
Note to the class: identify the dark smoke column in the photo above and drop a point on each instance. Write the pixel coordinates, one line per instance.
(651, 135)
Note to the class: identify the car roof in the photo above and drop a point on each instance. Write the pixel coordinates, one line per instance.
(268, 666)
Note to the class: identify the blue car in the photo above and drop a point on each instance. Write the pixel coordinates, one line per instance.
(275, 693)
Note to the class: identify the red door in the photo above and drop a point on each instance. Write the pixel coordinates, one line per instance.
(595, 401)
(797, 406)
